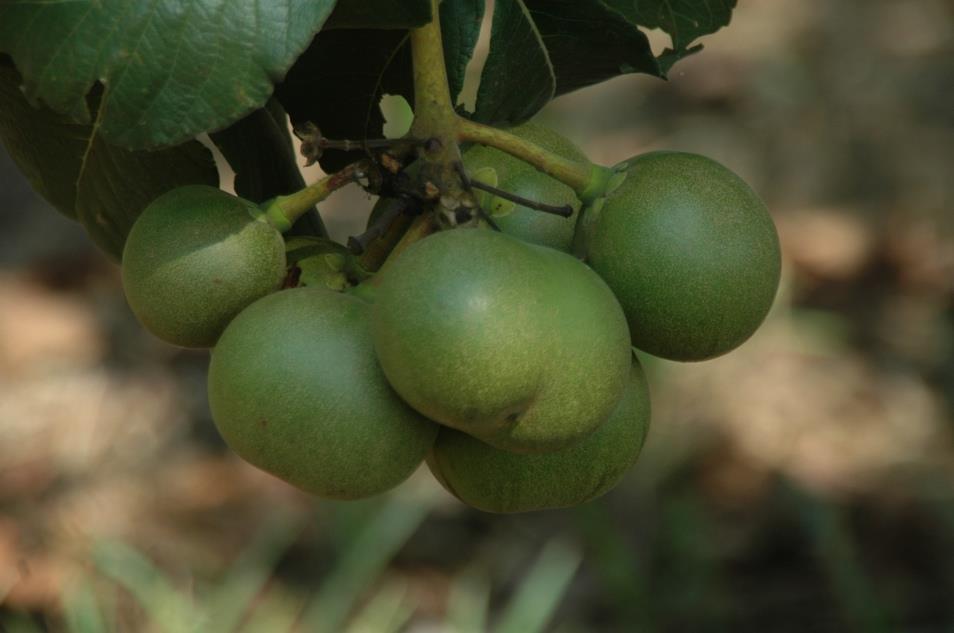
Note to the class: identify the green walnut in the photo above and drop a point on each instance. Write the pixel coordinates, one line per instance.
(690, 251)
(511, 174)
(196, 257)
(499, 481)
(295, 389)
(520, 345)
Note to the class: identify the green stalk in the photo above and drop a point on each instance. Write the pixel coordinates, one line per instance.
(589, 181)
(434, 115)
(283, 211)
(435, 121)
(440, 131)
(435, 124)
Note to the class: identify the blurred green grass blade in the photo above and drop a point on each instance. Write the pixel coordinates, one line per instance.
(620, 569)
(374, 544)
(692, 582)
(275, 612)
(388, 612)
(166, 608)
(835, 550)
(346, 518)
(81, 610)
(468, 602)
(540, 592)
(228, 606)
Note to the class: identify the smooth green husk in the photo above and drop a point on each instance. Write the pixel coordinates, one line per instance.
(295, 389)
(520, 345)
(691, 253)
(499, 481)
(194, 259)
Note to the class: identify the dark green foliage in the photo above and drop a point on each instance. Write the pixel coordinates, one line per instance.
(351, 69)
(460, 27)
(172, 70)
(259, 150)
(380, 14)
(101, 186)
(295, 389)
(684, 20)
(540, 49)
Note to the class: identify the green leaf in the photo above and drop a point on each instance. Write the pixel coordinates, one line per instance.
(102, 186)
(684, 20)
(259, 149)
(47, 165)
(380, 14)
(460, 28)
(460, 23)
(541, 49)
(518, 78)
(338, 83)
(172, 68)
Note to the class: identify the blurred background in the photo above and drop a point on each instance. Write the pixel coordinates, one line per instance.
(803, 483)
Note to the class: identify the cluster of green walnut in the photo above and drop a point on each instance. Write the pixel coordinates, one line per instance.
(501, 355)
